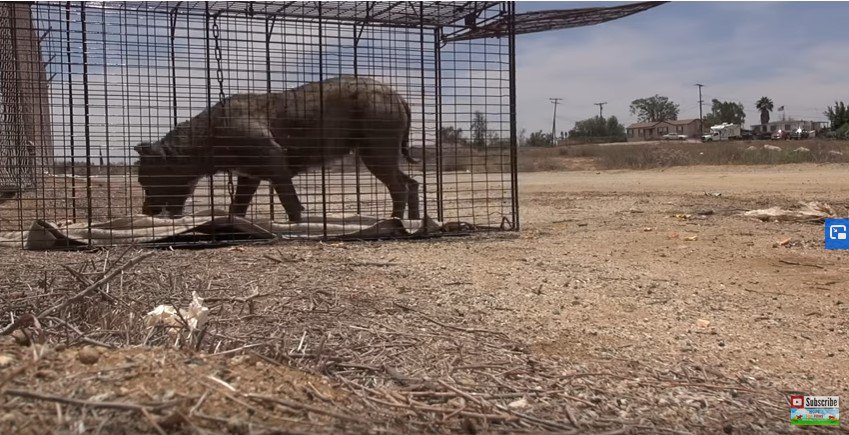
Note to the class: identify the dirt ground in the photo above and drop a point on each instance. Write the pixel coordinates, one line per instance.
(630, 302)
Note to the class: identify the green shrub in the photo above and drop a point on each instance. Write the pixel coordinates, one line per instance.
(842, 132)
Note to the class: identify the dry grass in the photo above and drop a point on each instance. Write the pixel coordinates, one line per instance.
(312, 355)
(665, 154)
(640, 155)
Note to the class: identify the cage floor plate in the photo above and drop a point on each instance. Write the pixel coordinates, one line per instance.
(216, 226)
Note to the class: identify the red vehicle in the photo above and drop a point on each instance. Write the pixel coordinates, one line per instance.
(780, 135)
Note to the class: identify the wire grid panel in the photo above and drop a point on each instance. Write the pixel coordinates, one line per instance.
(119, 76)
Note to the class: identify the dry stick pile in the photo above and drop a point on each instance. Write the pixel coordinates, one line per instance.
(392, 367)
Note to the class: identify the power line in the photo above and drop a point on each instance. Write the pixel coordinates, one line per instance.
(600, 109)
(556, 101)
(701, 116)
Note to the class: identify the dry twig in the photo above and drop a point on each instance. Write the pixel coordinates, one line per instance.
(126, 406)
(444, 325)
(305, 407)
(95, 286)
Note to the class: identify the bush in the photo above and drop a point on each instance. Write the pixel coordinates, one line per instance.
(842, 132)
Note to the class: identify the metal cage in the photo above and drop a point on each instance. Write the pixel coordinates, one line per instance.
(171, 123)
(101, 78)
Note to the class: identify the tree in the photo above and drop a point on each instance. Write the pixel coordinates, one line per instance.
(725, 111)
(653, 109)
(598, 127)
(837, 115)
(451, 134)
(764, 105)
(539, 139)
(479, 130)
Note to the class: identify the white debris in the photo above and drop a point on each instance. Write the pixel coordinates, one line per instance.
(813, 211)
(521, 403)
(6, 360)
(194, 318)
(802, 150)
(752, 148)
(835, 153)
(772, 148)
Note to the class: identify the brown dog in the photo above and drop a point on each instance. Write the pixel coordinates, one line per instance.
(279, 135)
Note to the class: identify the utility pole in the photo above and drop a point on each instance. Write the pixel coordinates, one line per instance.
(701, 118)
(556, 101)
(601, 109)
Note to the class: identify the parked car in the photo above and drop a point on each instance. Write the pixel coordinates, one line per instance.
(763, 135)
(780, 135)
(800, 134)
(674, 136)
(746, 135)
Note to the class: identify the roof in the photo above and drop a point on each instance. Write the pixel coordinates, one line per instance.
(683, 121)
(668, 121)
(644, 124)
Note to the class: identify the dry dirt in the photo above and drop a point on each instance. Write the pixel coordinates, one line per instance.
(610, 312)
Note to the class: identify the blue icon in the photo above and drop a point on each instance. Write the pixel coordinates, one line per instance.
(837, 234)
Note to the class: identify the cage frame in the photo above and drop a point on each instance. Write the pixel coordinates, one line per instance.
(439, 24)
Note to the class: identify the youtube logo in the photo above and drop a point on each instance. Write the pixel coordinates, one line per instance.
(797, 401)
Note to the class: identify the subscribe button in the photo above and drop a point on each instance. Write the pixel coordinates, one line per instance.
(837, 234)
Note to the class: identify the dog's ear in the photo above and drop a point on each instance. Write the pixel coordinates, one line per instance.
(150, 149)
(143, 148)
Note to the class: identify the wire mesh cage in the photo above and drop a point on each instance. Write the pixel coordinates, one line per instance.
(193, 122)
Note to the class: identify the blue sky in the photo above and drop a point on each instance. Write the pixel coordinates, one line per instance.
(796, 53)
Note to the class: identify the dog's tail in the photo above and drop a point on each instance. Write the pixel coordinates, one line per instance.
(405, 141)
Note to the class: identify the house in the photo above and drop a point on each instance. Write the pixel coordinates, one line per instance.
(655, 130)
(689, 127)
(647, 130)
(789, 125)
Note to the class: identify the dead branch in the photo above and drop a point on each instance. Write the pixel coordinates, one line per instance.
(81, 335)
(280, 260)
(795, 263)
(444, 325)
(236, 350)
(152, 421)
(305, 407)
(125, 406)
(77, 275)
(102, 281)
(247, 298)
(521, 415)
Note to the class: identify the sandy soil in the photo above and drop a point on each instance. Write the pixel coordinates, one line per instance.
(610, 311)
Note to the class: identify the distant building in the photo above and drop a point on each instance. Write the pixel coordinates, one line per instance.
(647, 130)
(655, 130)
(690, 127)
(789, 125)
